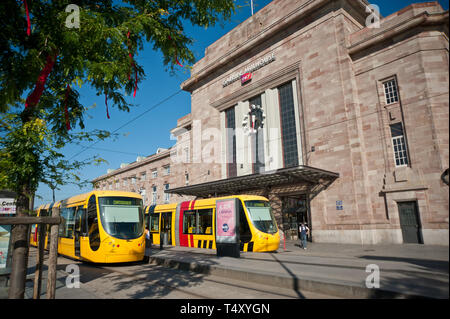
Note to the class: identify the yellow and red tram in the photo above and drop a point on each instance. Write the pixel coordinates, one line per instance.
(191, 223)
(99, 227)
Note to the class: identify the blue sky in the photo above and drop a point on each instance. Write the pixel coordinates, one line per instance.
(152, 130)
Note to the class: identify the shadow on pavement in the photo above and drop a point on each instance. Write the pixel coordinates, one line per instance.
(426, 264)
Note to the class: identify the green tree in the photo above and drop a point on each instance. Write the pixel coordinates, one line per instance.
(40, 60)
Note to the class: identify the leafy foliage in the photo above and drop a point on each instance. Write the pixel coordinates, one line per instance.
(97, 54)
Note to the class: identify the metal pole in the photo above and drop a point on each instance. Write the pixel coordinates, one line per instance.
(251, 4)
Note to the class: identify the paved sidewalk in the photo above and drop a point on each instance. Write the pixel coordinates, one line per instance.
(406, 271)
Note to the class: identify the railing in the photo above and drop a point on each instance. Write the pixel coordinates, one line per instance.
(17, 286)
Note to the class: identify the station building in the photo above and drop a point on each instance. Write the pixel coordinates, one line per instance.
(339, 119)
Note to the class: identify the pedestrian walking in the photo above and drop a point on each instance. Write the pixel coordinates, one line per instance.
(304, 232)
(148, 244)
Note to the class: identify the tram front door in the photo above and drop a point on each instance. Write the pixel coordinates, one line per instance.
(79, 217)
(166, 228)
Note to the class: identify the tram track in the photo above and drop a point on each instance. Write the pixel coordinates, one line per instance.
(243, 290)
(143, 277)
(209, 280)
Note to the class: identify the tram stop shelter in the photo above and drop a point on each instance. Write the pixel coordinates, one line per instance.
(301, 183)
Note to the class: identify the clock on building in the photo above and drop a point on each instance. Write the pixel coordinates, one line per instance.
(254, 119)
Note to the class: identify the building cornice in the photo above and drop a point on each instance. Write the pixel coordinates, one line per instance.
(280, 25)
(384, 34)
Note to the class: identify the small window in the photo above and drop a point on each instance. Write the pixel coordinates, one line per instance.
(399, 145)
(143, 177)
(391, 91)
(154, 173)
(166, 170)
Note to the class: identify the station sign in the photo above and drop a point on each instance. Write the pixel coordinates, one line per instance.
(246, 78)
(249, 69)
(7, 206)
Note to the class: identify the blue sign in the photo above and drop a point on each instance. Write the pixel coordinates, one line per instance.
(339, 205)
(225, 227)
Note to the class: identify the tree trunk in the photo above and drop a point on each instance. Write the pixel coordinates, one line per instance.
(19, 238)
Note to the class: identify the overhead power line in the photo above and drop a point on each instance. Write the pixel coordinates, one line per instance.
(130, 121)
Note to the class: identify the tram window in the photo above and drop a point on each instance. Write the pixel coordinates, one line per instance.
(154, 222)
(198, 222)
(189, 222)
(68, 222)
(94, 235)
(245, 233)
(205, 221)
(79, 219)
(84, 223)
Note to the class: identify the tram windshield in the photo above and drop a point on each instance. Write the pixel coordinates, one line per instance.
(122, 217)
(261, 215)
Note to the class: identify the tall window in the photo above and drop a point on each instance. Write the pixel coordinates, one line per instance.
(288, 127)
(166, 195)
(231, 142)
(257, 142)
(391, 91)
(154, 194)
(399, 145)
(186, 154)
(154, 173)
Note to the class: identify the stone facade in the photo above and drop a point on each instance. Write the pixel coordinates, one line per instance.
(142, 176)
(339, 70)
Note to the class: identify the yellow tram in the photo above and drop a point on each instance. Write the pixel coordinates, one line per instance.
(191, 223)
(99, 227)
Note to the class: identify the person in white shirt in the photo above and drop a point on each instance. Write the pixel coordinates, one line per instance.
(304, 232)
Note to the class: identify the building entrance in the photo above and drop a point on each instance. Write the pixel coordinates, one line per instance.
(410, 222)
(294, 211)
